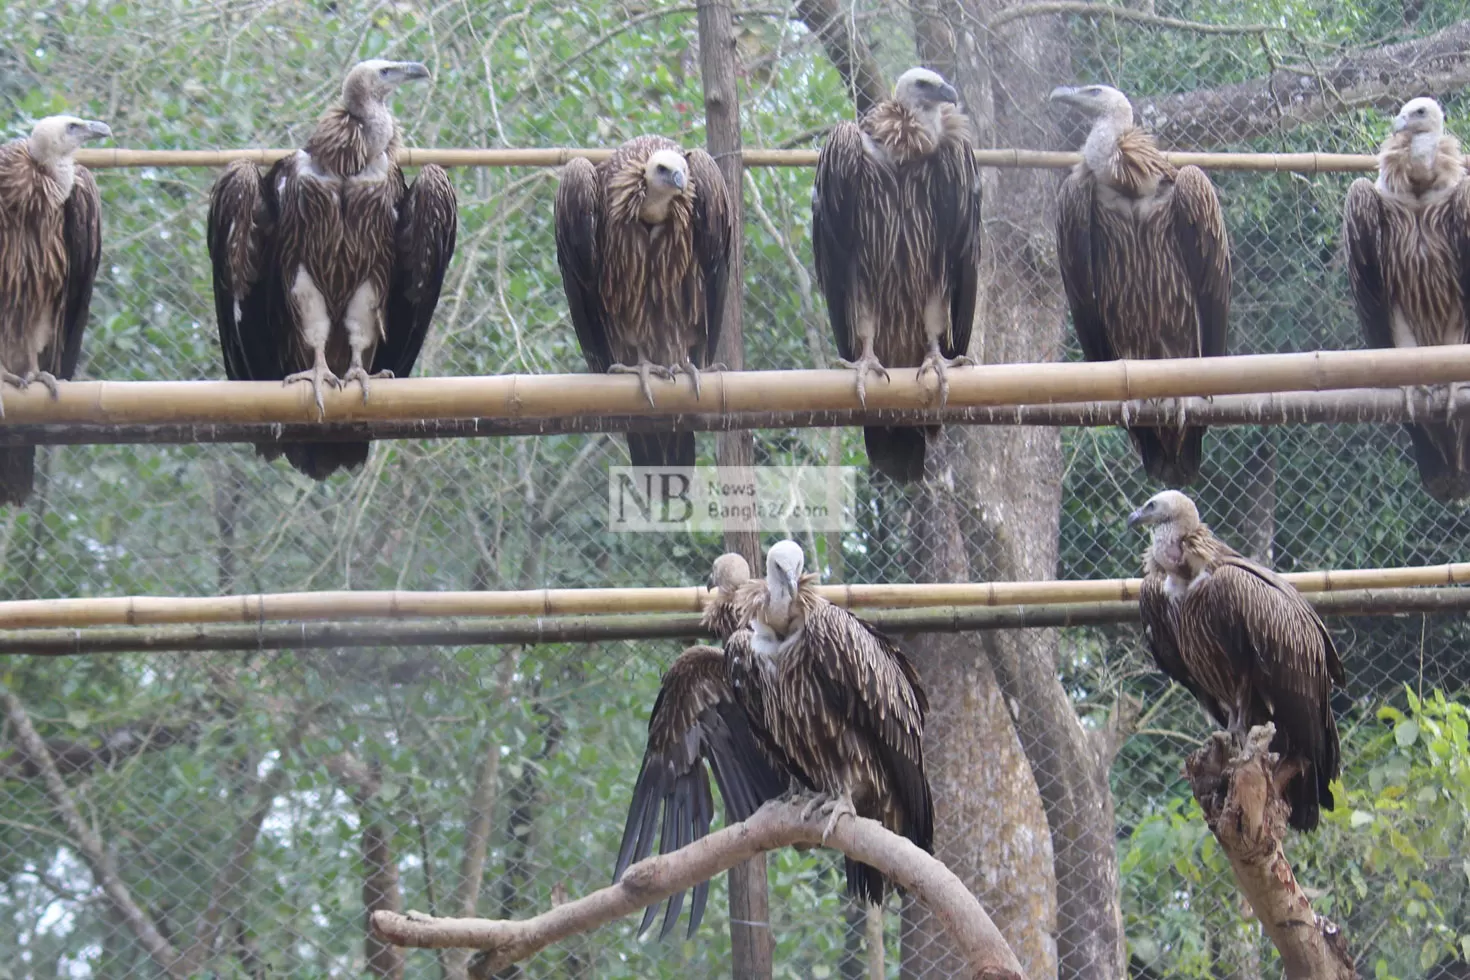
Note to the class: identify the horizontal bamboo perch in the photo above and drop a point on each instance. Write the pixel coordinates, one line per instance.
(655, 626)
(523, 396)
(1348, 405)
(777, 824)
(315, 606)
(554, 156)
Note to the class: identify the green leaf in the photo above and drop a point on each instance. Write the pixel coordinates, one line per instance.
(1407, 733)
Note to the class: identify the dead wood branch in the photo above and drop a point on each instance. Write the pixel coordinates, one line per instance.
(847, 51)
(774, 825)
(1239, 790)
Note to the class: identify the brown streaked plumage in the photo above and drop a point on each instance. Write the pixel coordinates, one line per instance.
(728, 573)
(1407, 237)
(841, 704)
(896, 239)
(50, 245)
(1145, 261)
(643, 242)
(696, 720)
(1246, 643)
(327, 269)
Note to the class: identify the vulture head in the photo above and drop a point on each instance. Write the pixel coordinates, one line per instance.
(1098, 103)
(665, 176)
(784, 564)
(56, 138)
(374, 81)
(922, 91)
(1421, 115)
(729, 572)
(1167, 509)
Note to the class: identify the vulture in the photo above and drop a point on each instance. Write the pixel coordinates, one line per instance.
(840, 705)
(1245, 643)
(896, 239)
(643, 242)
(1145, 261)
(327, 269)
(698, 718)
(1407, 237)
(50, 244)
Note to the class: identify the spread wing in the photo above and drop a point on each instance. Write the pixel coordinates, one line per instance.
(577, 213)
(837, 195)
(713, 227)
(428, 220)
(1362, 234)
(1199, 228)
(82, 234)
(1160, 616)
(954, 188)
(1074, 261)
(695, 720)
(249, 304)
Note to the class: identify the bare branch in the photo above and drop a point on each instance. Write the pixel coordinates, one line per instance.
(847, 51)
(776, 824)
(1240, 793)
(71, 757)
(1084, 9)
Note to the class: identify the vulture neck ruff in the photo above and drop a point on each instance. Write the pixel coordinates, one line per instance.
(1418, 169)
(894, 134)
(629, 198)
(57, 173)
(777, 618)
(1125, 160)
(353, 142)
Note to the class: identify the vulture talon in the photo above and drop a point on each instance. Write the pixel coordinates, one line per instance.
(940, 365)
(867, 364)
(814, 804)
(12, 378)
(44, 377)
(689, 368)
(839, 807)
(359, 374)
(642, 369)
(317, 376)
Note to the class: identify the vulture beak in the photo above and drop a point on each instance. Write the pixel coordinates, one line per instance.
(948, 94)
(410, 70)
(98, 130)
(1399, 122)
(791, 579)
(1136, 518)
(1063, 93)
(679, 179)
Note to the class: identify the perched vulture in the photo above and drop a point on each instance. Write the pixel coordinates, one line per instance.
(1245, 643)
(1408, 247)
(896, 237)
(643, 241)
(50, 244)
(841, 706)
(327, 269)
(1145, 262)
(730, 571)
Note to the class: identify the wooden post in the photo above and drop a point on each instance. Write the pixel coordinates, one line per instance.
(750, 933)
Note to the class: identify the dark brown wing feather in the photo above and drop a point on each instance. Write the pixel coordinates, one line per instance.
(713, 228)
(82, 231)
(1199, 228)
(428, 221)
(578, 209)
(955, 197)
(842, 169)
(249, 299)
(1074, 260)
(696, 720)
(1161, 628)
(1362, 217)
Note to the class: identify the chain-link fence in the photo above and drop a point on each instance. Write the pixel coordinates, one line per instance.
(255, 805)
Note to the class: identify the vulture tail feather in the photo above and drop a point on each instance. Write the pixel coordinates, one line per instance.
(898, 451)
(865, 883)
(17, 474)
(661, 448)
(1171, 456)
(319, 460)
(1442, 453)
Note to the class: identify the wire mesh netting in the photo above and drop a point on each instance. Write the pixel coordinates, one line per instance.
(255, 804)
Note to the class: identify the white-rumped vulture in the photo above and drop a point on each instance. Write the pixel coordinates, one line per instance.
(896, 238)
(1145, 262)
(643, 241)
(841, 705)
(1408, 246)
(50, 244)
(327, 269)
(1245, 642)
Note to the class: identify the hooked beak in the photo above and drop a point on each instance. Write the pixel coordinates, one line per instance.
(1135, 518)
(791, 580)
(98, 130)
(407, 71)
(1063, 93)
(679, 179)
(948, 94)
(1399, 122)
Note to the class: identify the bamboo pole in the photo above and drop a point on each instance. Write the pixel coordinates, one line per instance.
(1344, 406)
(1306, 163)
(602, 629)
(521, 396)
(313, 606)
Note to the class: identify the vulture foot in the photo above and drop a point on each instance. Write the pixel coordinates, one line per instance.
(1455, 388)
(319, 375)
(689, 368)
(643, 369)
(359, 374)
(865, 365)
(940, 365)
(44, 377)
(836, 807)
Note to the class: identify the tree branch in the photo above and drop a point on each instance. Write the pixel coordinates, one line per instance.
(380, 888)
(777, 824)
(1381, 77)
(847, 51)
(99, 859)
(1240, 793)
(71, 757)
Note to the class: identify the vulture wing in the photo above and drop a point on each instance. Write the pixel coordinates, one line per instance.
(249, 303)
(82, 233)
(428, 221)
(713, 229)
(842, 171)
(1362, 223)
(1074, 259)
(955, 199)
(577, 213)
(1199, 228)
(1161, 626)
(695, 720)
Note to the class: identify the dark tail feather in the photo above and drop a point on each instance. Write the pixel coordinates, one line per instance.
(1442, 453)
(1308, 796)
(1170, 456)
(898, 452)
(661, 448)
(17, 474)
(864, 882)
(317, 460)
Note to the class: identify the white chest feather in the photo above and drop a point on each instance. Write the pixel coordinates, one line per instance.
(766, 642)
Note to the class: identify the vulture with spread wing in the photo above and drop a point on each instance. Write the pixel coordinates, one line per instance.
(1145, 262)
(50, 244)
(1245, 643)
(1408, 245)
(643, 241)
(896, 238)
(327, 268)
